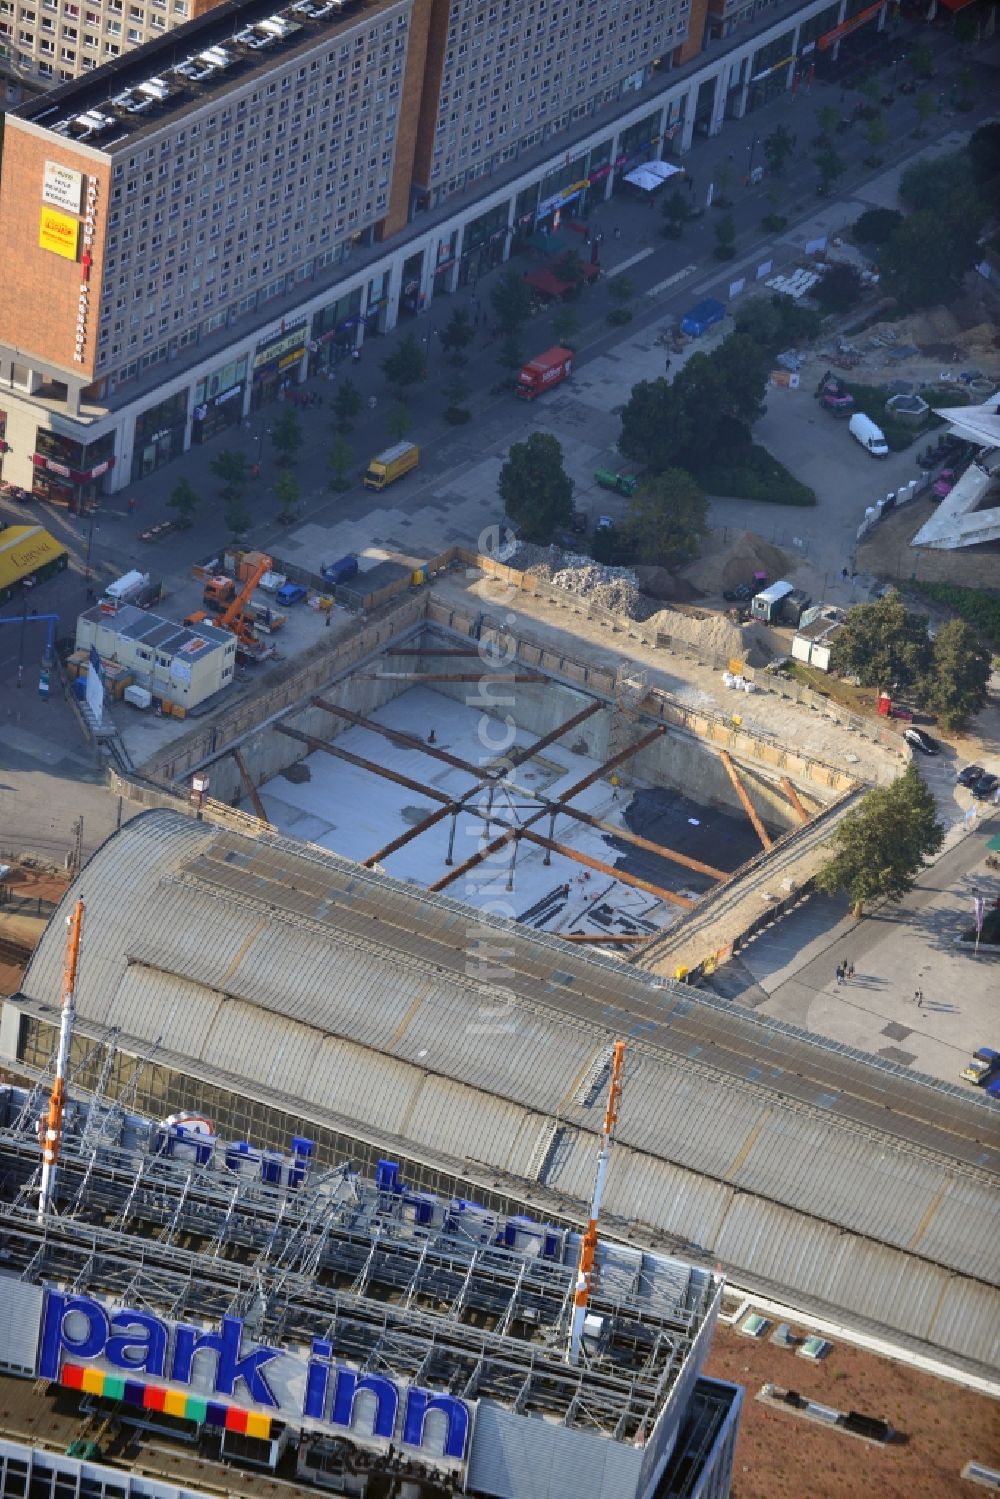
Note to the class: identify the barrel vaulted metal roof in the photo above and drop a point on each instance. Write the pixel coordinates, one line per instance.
(305, 977)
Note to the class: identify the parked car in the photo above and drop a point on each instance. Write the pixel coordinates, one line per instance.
(944, 483)
(925, 743)
(604, 523)
(969, 775)
(984, 788)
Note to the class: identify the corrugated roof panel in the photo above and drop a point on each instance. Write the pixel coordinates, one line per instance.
(466, 1124)
(965, 1316)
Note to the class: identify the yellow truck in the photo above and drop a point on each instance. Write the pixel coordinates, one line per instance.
(385, 468)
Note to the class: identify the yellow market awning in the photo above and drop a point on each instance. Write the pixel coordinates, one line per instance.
(23, 550)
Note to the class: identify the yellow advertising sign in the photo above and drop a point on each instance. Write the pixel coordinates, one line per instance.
(59, 233)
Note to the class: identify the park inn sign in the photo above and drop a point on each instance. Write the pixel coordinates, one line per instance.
(222, 1378)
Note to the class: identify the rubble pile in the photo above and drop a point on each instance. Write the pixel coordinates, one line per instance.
(611, 588)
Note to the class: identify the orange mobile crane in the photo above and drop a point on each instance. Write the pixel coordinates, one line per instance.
(237, 617)
(588, 1244)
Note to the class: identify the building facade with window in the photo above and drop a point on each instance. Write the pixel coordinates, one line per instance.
(52, 41)
(240, 204)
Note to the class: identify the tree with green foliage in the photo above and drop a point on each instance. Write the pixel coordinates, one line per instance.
(870, 90)
(183, 501)
(565, 325)
(230, 467)
(883, 644)
(728, 384)
(399, 422)
(676, 210)
(667, 516)
(879, 849)
(456, 335)
(925, 261)
(406, 365)
(235, 513)
(287, 435)
(876, 134)
(622, 291)
(827, 119)
(537, 492)
(456, 393)
(288, 493)
(340, 459)
(923, 103)
(876, 225)
(840, 288)
(831, 167)
(927, 184)
(571, 268)
(921, 59)
(778, 147)
(776, 321)
(725, 237)
(957, 683)
(723, 185)
(984, 163)
(347, 404)
(655, 425)
(511, 302)
(511, 354)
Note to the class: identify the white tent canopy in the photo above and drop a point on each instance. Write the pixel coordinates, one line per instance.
(652, 174)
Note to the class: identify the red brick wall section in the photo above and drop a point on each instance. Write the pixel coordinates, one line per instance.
(696, 28)
(39, 290)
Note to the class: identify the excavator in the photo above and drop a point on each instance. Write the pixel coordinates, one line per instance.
(237, 616)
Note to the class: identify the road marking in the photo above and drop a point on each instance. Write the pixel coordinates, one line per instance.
(654, 291)
(627, 264)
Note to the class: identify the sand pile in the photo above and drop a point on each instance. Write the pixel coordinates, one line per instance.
(714, 636)
(726, 566)
(660, 583)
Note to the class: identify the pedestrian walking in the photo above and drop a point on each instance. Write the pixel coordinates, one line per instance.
(850, 969)
(355, 356)
(920, 999)
(667, 366)
(916, 996)
(617, 232)
(840, 975)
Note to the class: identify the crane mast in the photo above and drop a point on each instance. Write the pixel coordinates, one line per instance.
(588, 1245)
(52, 1122)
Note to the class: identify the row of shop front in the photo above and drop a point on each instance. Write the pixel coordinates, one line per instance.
(75, 474)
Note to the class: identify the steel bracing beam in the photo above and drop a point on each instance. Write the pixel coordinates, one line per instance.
(793, 797)
(396, 736)
(363, 764)
(520, 756)
(508, 679)
(548, 811)
(602, 868)
(627, 836)
(248, 782)
(741, 792)
(617, 937)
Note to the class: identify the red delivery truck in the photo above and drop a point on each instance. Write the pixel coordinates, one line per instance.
(544, 371)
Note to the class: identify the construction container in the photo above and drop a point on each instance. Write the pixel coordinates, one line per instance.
(139, 697)
(249, 563)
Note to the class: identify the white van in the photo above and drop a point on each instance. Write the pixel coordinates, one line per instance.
(871, 438)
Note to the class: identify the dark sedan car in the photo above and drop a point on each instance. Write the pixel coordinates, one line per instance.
(925, 743)
(970, 774)
(984, 788)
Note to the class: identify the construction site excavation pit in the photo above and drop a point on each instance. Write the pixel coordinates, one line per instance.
(510, 789)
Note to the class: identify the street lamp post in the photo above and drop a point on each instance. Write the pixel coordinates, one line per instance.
(90, 545)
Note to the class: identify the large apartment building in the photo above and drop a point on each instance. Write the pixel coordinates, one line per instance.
(236, 204)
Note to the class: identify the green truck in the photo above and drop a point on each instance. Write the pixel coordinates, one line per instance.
(618, 483)
(385, 468)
